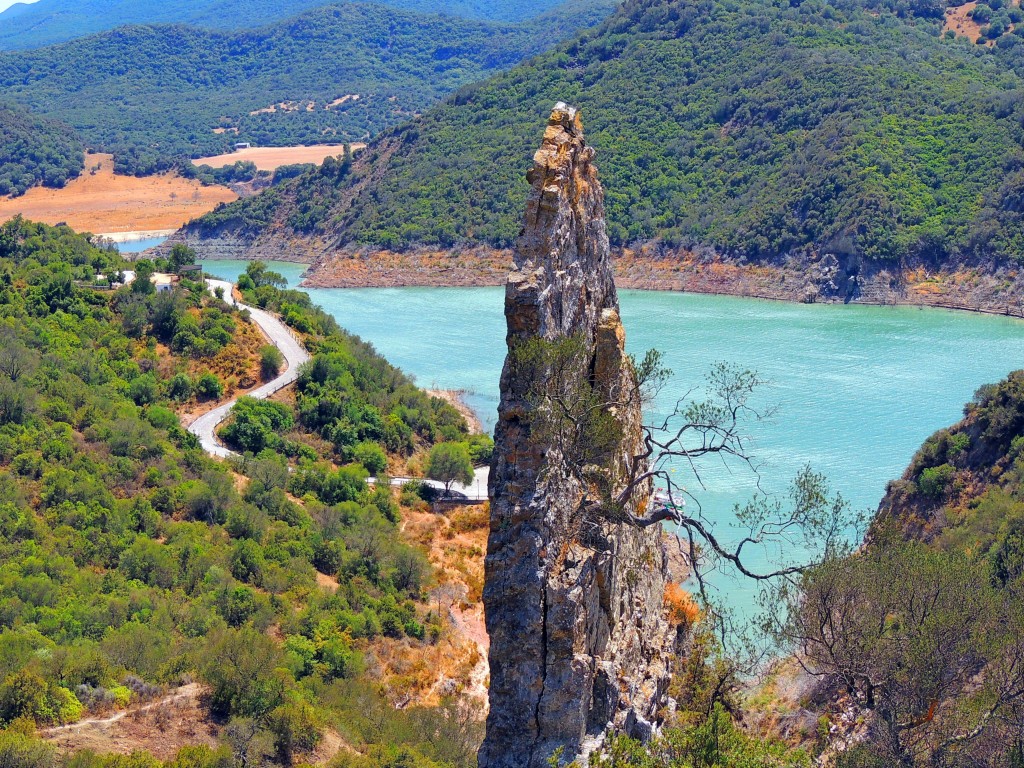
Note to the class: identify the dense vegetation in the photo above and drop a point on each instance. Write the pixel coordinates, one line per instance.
(132, 562)
(154, 95)
(34, 151)
(54, 21)
(758, 128)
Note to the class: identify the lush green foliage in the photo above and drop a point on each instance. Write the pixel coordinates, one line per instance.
(131, 561)
(54, 21)
(758, 128)
(128, 94)
(36, 151)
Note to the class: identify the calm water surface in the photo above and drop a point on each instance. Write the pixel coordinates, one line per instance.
(137, 246)
(857, 388)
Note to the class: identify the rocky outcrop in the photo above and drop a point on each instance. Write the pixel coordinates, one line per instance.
(573, 599)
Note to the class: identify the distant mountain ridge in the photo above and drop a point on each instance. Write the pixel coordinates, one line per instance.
(53, 21)
(156, 95)
(760, 131)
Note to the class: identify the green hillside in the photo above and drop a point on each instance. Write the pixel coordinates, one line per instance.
(35, 151)
(53, 21)
(132, 563)
(155, 95)
(758, 128)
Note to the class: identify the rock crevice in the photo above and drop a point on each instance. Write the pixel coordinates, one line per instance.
(574, 601)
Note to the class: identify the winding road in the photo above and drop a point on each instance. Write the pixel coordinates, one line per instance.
(205, 427)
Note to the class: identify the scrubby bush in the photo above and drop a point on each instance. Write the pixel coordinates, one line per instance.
(209, 387)
(371, 456)
(271, 361)
(180, 388)
(256, 424)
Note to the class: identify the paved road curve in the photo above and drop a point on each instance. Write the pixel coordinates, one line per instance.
(280, 336)
(205, 427)
(475, 491)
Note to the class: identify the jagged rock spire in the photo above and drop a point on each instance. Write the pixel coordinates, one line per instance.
(579, 644)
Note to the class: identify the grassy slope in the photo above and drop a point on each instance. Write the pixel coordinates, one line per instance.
(757, 128)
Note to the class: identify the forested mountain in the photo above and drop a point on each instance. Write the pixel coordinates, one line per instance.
(760, 129)
(35, 151)
(54, 21)
(154, 95)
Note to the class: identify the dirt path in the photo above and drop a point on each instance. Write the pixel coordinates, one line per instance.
(190, 692)
(161, 727)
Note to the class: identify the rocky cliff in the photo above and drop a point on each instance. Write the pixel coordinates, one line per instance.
(573, 594)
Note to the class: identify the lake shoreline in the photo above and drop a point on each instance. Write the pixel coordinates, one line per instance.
(456, 399)
(964, 288)
(969, 289)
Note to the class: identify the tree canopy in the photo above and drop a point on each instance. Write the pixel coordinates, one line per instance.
(35, 151)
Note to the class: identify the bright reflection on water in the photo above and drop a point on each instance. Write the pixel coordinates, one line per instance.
(857, 388)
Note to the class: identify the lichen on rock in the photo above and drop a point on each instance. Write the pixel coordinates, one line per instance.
(579, 644)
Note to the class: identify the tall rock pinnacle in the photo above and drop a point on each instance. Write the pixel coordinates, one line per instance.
(573, 599)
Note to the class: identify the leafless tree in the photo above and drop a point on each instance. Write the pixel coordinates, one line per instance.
(580, 417)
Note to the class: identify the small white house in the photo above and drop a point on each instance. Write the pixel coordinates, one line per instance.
(243, 145)
(163, 281)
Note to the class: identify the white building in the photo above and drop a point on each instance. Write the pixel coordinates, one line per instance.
(163, 281)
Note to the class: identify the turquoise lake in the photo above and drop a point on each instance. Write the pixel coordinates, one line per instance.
(137, 246)
(857, 388)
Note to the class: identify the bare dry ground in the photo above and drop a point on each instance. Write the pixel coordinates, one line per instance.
(100, 201)
(960, 23)
(271, 158)
(457, 663)
(161, 727)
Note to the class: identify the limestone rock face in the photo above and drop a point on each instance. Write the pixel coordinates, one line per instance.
(578, 641)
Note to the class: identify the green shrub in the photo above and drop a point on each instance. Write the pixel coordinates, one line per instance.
(19, 750)
(271, 361)
(934, 481)
(371, 456)
(144, 389)
(256, 424)
(180, 388)
(209, 387)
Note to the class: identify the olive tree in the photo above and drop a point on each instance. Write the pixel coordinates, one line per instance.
(923, 641)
